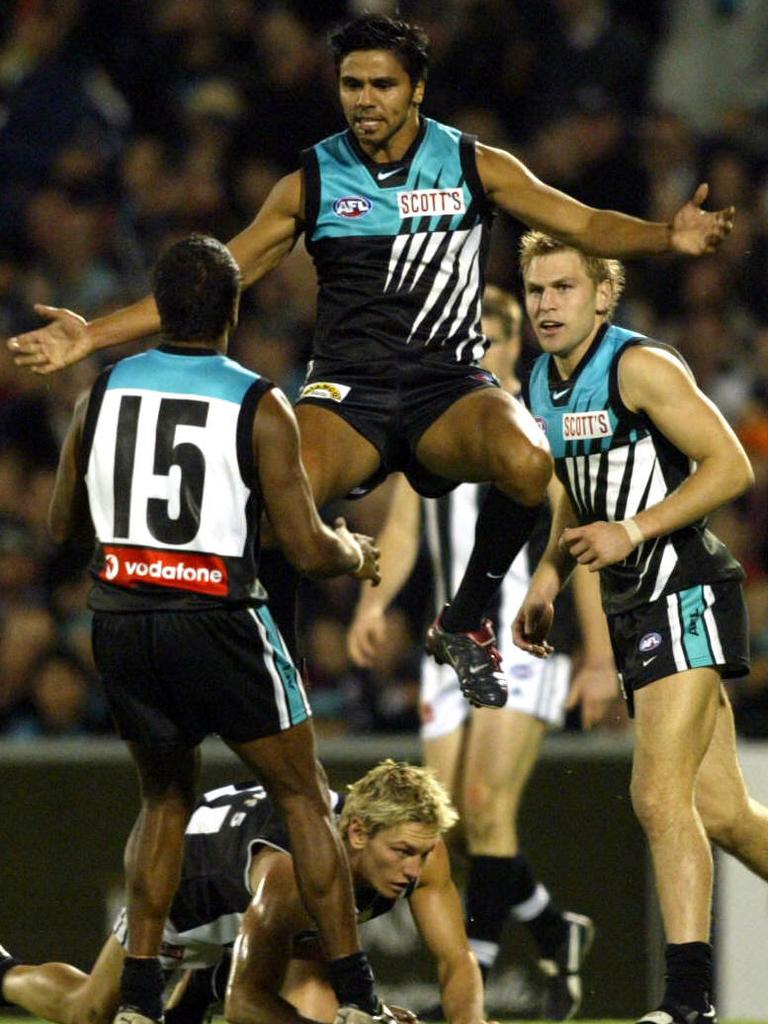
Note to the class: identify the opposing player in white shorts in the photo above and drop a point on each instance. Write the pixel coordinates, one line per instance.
(483, 755)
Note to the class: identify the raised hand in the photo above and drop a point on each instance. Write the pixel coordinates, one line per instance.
(695, 231)
(59, 343)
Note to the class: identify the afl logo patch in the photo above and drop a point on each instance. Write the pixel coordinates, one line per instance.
(542, 423)
(352, 207)
(649, 642)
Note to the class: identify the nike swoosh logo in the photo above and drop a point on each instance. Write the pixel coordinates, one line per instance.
(647, 661)
(383, 175)
(557, 395)
(495, 575)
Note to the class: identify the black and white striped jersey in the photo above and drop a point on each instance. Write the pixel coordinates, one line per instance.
(167, 459)
(614, 463)
(400, 249)
(228, 828)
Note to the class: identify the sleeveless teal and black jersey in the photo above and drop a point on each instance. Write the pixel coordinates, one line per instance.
(175, 500)
(614, 463)
(400, 249)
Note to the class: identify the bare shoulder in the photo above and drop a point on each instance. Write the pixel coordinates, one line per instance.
(437, 869)
(496, 166)
(287, 195)
(275, 890)
(651, 373)
(275, 420)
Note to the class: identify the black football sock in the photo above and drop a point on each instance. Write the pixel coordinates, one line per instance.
(489, 896)
(503, 526)
(142, 985)
(689, 974)
(352, 981)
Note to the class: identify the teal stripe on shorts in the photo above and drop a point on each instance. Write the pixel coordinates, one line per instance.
(696, 642)
(298, 705)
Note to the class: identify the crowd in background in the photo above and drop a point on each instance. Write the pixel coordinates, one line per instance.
(126, 125)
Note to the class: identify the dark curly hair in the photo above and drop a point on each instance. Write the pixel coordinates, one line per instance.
(379, 32)
(196, 285)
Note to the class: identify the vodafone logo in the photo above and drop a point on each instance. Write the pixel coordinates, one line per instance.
(188, 570)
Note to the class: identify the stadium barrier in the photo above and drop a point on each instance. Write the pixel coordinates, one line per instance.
(67, 807)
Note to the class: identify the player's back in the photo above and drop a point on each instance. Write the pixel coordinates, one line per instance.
(172, 486)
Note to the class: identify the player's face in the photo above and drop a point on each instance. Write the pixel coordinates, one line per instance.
(380, 104)
(564, 304)
(393, 858)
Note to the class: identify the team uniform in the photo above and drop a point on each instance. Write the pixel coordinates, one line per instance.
(537, 687)
(182, 636)
(400, 252)
(228, 828)
(675, 603)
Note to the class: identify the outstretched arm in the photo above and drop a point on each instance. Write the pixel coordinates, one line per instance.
(398, 546)
(509, 184)
(657, 383)
(68, 338)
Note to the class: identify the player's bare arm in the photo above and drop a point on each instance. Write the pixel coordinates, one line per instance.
(273, 232)
(437, 911)
(595, 685)
(398, 544)
(657, 383)
(534, 619)
(67, 337)
(509, 184)
(311, 546)
(68, 512)
(264, 946)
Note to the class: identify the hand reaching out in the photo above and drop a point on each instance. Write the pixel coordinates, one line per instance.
(695, 231)
(59, 343)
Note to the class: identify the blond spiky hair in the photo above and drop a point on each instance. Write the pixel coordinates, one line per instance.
(536, 243)
(395, 792)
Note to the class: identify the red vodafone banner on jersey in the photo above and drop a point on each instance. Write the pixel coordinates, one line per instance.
(181, 570)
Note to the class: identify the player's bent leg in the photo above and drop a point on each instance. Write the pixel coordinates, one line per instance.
(675, 719)
(287, 764)
(733, 820)
(485, 435)
(674, 722)
(61, 993)
(336, 457)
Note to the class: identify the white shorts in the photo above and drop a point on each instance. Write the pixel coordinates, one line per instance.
(537, 687)
(197, 948)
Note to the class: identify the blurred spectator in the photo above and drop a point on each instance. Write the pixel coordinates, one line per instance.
(62, 701)
(711, 68)
(26, 627)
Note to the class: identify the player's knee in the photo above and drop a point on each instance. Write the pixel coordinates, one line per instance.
(480, 814)
(657, 805)
(527, 472)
